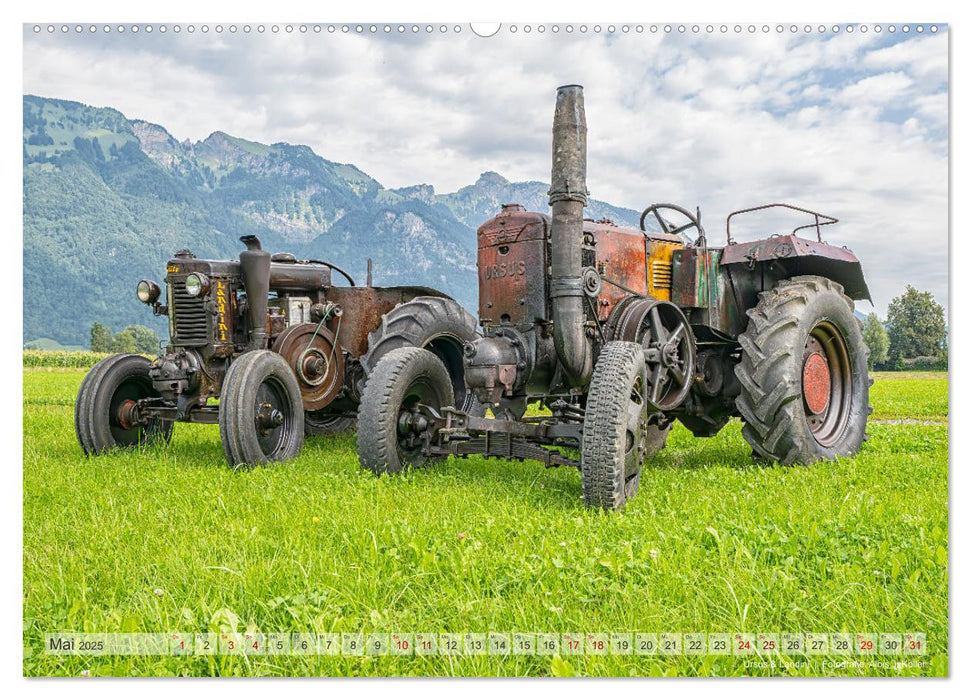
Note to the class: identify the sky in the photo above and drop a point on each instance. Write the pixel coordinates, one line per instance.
(852, 124)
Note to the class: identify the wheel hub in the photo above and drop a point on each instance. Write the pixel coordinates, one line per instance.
(669, 354)
(313, 367)
(269, 418)
(816, 382)
(411, 422)
(128, 414)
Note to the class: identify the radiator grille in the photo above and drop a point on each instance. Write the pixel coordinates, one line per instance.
(661, 274)
(190, 318)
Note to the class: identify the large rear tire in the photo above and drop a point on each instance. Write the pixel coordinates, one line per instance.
(805, 388)
(437, 324)
(261, 416)
(617, 438)
(99, 415)
(403, 379)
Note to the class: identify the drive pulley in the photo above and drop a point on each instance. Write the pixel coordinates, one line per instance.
(312, 351)
(662, 329)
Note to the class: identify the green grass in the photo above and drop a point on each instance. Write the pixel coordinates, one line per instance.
(711, 543)
(914, 395)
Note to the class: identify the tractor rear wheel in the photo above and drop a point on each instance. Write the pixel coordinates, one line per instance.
(390, 433)
(260, 410)
(103, 410)
(617, 438)
(437, 324)
(805, 388)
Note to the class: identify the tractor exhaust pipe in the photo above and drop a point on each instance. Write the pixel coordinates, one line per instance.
(568, 196)
(254, 265)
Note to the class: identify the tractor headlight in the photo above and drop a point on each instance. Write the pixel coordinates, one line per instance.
(196, 284)
(148, 292)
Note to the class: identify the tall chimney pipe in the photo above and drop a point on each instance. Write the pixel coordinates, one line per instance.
(568, 196)
(254, 266)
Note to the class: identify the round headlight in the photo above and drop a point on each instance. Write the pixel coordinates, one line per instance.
(148, 292)
(196, 284)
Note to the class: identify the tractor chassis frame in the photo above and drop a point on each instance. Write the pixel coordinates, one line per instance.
(459, 434)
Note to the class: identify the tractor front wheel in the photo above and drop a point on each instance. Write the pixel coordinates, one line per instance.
(261, 416)
(104, 412)
(805, 388)
(617, 437)
(437, 324)
(391, 427)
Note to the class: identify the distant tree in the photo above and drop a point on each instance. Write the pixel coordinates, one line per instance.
(915, 325)
(876, 338)
(123, 341)
(41, 138)
(100, 338)
(96, 149)
(146, 340)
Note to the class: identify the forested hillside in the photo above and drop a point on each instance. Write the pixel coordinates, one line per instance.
(107, 200)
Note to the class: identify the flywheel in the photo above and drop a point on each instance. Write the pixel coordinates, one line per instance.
(315, 356)
(662, 329)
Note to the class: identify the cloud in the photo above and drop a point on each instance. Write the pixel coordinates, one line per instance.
(925, 58)
(854, 125)
(877, 89)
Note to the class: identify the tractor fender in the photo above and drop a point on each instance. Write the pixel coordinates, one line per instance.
(799, 256)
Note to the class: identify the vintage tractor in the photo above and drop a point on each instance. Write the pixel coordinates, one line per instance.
(618, 332)
(284, 351)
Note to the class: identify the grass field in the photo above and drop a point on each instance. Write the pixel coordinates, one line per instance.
(172, 540)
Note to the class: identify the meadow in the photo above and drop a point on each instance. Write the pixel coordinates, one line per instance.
(170, 539)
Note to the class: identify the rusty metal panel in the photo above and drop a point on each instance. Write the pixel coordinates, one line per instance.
(782, 247)
(621, 263)
(512, 267)
(689, 278)
(363, 308)
(792, 255)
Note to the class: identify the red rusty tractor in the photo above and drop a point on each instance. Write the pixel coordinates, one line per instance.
(619, 332)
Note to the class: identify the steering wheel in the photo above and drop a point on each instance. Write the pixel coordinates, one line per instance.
(694, 220)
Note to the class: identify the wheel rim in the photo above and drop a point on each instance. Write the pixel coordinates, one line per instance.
(635, 447)
(411, 422)
(126, 395)
(826, 383)
(273, 417)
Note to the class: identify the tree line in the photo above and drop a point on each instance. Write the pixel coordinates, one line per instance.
(134, 339)
(914, 336)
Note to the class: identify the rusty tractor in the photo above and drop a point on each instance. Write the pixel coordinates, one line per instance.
(619, 332)
(284, 351)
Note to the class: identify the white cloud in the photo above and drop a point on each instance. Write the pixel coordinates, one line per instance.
(848, 124)
(877, 89)
(924, 58)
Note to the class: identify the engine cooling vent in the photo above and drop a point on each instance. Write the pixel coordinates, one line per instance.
(191, 320)
(661, 274)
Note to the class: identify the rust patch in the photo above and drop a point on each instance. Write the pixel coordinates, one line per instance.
(782, 247)
(816, 383)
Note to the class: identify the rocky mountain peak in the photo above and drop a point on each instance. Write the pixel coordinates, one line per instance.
(491, 179)
(423, 193)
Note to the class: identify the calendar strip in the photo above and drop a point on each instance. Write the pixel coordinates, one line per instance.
(417, 644)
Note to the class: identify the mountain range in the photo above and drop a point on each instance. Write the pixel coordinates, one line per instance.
(108, 199)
